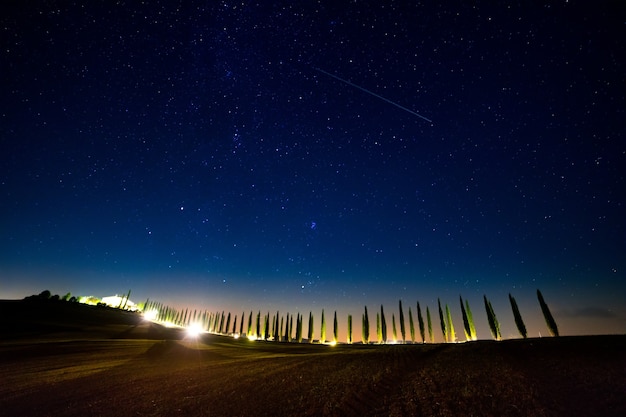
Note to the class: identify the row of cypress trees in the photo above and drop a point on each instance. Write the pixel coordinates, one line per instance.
(281, 328)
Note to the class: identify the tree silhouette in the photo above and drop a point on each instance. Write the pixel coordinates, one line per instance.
(227, 323)
(300, 330)
(310, 334)
(393, 327)
(379, 331)
(401, 318)
(494, 326)
(383, 324)
(444, 330)
(335, 327)
(552, 327)
(420, 322)
(521, 327)
(349, 340)
(466, 326)
(366, 327)
(277, 327)
(323, 332)
(411, 326)
(430, 326)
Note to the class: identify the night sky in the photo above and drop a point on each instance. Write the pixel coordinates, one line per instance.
(318, 155)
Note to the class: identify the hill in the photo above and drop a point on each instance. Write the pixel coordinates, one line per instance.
(136, 368)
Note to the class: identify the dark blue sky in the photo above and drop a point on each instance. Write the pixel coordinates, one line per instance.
(194, 154)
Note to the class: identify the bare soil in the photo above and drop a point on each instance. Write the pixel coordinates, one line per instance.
(110, 363)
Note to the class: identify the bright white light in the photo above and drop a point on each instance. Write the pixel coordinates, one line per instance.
(194, 330)
(151, 315)
(236, 335)
(252, 337)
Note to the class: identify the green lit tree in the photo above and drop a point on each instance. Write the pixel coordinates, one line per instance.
(393, 328)
(519, 322)
(470, 319)
(249, 334)
(552, 327)
(451, 334)
(494, 326)
(431, 336)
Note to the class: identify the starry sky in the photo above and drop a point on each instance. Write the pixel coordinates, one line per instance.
(300, 156)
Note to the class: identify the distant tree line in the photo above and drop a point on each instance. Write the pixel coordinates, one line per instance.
(281, 328)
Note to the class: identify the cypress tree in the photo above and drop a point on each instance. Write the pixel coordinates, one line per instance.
(470, 319)
(552, 327)
(243, 317)
(221, 322)
(430, 326)
(310, 335)
(444, 330)
(235, 325)
(420, 322)
(250, 325)
(466, 327)
(521, 327)
(290, 331)
(401, 318)
(277, 328)
(349, 340)
(379, 331)
(323, 329)
(258, 325)
(300, 328)
(494, 326)
(451, 334)
(383, 324)
(393, 328)
(228, 323)
(335, 330)
(411, 326)
(286, 334)
(366, 327)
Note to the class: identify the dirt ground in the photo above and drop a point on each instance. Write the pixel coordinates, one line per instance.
(133, 368)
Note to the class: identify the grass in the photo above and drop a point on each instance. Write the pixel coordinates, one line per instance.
(112, 363)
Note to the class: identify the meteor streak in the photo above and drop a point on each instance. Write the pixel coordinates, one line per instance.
(372, 93)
